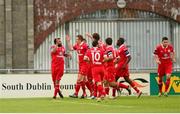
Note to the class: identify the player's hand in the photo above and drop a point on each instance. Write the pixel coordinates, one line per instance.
(56, 46)
(174, 60)
(158, 62)
(68, 38)
(70, 56)
(116, 65)
(88, 35)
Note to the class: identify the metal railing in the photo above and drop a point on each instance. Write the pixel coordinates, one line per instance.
(11, 71)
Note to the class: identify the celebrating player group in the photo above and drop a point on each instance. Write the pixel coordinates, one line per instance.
(102, 65)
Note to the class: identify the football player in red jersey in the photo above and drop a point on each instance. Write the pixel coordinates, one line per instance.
(164, 55)
(109, 78)
(122, 68)
(96, 36)
(95, 56)
(81, 47)
(57, 64)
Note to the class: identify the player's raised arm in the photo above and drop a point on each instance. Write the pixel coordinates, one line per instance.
(89, 35)
(68, 42)
(54, 47)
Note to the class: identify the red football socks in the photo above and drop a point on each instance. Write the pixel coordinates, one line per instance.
(167, 84)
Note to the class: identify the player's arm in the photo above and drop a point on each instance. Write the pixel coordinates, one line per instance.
(117, 60)
(127, 61)
(86, 58)
(156, 58)
(53, 49)
(68, 42)
(89, 36)
(69, 55)
(128, 58)
(173, 55)
(109, 57)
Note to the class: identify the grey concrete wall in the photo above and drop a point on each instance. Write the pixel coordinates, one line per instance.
(30, 33)
(8, 33)
(19, 25)
(2, 35)
(16, 34)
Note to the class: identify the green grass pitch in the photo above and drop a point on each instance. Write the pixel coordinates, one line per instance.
(68, 105)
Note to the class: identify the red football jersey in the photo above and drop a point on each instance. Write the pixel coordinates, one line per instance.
(123, 54)
(96, 56)
(164, 53)
(110, 52)
(58, 56)
(81, 50)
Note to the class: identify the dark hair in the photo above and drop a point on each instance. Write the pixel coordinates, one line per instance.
(164, 38)
(109, 41)
(94, 43)
(84, 40)
(80, 37)
(55, 40)
(120, 41)
(96, 36)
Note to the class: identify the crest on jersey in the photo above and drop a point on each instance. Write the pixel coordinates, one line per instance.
(165, 55)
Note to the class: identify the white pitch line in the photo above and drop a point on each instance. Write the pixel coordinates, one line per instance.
(96, 104)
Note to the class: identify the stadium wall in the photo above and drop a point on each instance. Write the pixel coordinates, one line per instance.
(16, 34)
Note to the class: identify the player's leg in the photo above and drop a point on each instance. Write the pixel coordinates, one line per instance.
(59, 73)
(161, 73)
(106, 87)
(83, 84)
(113, 83)
(114, 89)
(168, 77)
(106, 82)
(77, 87)
(58, 78)
(96, 72)
(54, 73)
(56, 88)
(100, 90)
(118, 85)
(90, 84)
(86, 73)
(168, 72)
(127, 79)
